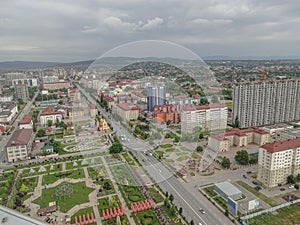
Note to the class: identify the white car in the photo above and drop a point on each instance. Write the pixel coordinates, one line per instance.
(291, 187)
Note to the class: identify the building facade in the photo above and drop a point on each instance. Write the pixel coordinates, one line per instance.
(266, 102)
(6, 97)
(50, 114)
(19, 145)
(156, 95)
(164, 113)
(8, 110)
(127, 111)
(204, 118)
(239, 138)
(278, 160)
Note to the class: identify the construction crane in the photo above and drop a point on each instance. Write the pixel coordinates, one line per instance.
(264, 73)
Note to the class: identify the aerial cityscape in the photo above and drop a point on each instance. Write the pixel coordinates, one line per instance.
(179, 114)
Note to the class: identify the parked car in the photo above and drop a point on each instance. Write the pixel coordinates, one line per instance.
(202, 211)
(245, 176)
(255, 182)
(282, 189)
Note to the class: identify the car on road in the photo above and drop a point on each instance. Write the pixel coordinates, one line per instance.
(202, 211)
(258, 188)
(291, 187)
(245, 176)
(255, 182)
(282, 189)
(199, 223)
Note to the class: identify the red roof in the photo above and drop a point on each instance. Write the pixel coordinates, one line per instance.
(282, 145)
(26, 119)
(20, 137)
(92, 106)
(49, 111)
(238, 132)
(2, 128)
(202, 107)
(127, 106)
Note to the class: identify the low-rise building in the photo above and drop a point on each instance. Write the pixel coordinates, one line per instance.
(50, 114)
(238, 137)
(127, 111)
(93, 110)
(227, 190)
(76, 113)
(8, 110)
(7, 97)
(19, 145)
(26, 122)
(278, 160)
(168, 112)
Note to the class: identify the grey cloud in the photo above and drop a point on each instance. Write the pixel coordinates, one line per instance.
(71, 30)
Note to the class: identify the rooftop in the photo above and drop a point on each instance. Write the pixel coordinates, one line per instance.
(26, 119)
(203, 107)
(49, 111)
(127, 106)
(228, 188)
(282, 145)
(20, 137)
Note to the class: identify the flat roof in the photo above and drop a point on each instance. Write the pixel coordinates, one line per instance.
(15, 218)
(228, 188)
(26, 119)
(127, 106)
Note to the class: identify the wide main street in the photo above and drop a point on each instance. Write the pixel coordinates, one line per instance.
(186, 199)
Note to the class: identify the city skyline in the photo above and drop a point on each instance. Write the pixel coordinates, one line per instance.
(65, 32)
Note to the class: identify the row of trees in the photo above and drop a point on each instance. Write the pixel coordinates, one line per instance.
(242, 157)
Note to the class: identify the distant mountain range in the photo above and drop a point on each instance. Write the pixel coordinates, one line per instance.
(17, 65)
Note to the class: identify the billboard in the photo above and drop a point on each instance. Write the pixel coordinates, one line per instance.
(232, 206)
(253, 204)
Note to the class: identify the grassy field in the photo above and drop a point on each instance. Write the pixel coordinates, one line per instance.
(128, 158)
(51, 178)
(156, 195)
(285, 216)
(210, 191)
(147, 217)
(267, 200)
(79, 195)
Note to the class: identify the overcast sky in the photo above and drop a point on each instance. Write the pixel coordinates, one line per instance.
(71, 30)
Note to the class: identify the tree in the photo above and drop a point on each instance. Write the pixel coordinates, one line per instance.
(180, 210)
(171, 198)
(49, 123)
(172, 211)
(192, 222)
(116, 147)
(225, 162)
(168, 122)
(242, 157)
(298, 177)
(297, 186)
(201, 136)
(41, 133)
(291, 179)
(236, 123)
(226, 213)
(199, 148)
(253, 159)
(60, 102)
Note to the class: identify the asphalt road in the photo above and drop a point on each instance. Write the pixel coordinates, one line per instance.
(189, 201)
(20, 116)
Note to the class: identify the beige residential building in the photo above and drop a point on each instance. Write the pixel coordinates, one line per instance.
(238, 137)
(19, 145)
(268, 102)
(204, 117)
(127, 111)
(278, 160)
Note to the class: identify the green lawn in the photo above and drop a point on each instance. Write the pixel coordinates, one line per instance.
(156, 195)
(221, 202)
(30, 183)
(106, 203)
(51, 178)
(166, 146)
(159, 153)
(128, 158)
(170, 150)
(123, 219)
(81, 212)
(79, 195)
(285, 216)
(147, 217)
(269, 201)
(210, 191)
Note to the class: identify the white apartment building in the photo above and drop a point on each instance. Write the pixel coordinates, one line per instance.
(127, 111)
(8, 110)
(6, 97)
(19, 145)
(278, 160)
(50, 114)
(266, 102)
(206, 117)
